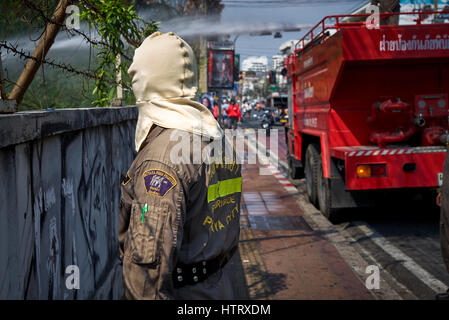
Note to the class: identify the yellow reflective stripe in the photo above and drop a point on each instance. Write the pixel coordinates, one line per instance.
(224, 188)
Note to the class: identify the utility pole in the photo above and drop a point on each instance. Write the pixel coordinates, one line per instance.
(44, 44)
(119, 101)
(202, 58)
(435, 8)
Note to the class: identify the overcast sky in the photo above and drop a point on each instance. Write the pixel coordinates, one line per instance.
(271, 11)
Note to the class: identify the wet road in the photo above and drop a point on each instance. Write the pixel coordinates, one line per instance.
(401, 239)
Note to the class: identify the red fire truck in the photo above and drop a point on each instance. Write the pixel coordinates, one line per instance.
(368, 110)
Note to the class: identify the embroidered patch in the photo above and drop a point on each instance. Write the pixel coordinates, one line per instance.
(158, 182)
(126, 180)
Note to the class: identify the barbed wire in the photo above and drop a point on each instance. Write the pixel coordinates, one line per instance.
(66, 67)
(33, 6)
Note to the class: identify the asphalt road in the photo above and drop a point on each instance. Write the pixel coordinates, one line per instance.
(403, 240)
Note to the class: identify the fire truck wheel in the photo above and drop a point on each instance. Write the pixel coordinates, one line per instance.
(311, 172)
(324, 196)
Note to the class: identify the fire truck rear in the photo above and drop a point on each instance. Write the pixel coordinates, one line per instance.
(368, 110)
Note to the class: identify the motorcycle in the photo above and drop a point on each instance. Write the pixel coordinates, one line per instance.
(266, 121)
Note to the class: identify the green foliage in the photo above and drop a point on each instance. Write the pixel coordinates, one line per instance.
(17, 19)
(119, 27)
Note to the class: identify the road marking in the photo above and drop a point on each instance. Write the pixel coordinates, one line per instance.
(290, 188)
(430, 281)
(352, 257)
(261, 150)
(355, 261)
(383, 271)
(349, 254)
(318, 222)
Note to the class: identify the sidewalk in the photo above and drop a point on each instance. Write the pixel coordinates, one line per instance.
(281, 256)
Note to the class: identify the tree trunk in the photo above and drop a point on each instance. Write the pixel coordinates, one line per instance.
(44, 44)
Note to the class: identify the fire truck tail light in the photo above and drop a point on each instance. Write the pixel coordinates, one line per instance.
(363, 171)
(371, 170)
(378, 170)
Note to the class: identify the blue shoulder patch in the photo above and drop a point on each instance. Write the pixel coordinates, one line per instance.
(158, 182)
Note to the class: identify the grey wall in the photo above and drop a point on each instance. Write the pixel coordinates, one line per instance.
(60, 174)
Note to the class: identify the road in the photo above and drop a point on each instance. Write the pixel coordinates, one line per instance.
(401, 239)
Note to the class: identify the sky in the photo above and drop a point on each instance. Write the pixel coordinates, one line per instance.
(238, 18)
(288, 12)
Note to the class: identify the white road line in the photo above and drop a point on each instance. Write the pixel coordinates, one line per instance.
(354, 260)
(433, 283)
(261, 150)
(291, 189)
(384, 284)
(276, 173)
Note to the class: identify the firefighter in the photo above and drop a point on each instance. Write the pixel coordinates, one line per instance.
(388, 6)
(443, 202)
(178, 220)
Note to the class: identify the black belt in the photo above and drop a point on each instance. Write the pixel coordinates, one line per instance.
(190, 274)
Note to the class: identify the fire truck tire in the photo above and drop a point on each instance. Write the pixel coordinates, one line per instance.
(324, 196)
(311, 172)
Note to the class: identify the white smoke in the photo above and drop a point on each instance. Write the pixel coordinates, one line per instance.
(213, 26)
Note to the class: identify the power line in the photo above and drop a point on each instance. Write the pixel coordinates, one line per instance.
(33, 6)
(274, 3)
(66, 67)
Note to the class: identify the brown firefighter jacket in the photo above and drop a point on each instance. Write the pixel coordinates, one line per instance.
(173, 213)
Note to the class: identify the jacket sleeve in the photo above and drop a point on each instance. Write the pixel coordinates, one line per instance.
(124, 211)
(154, 233)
